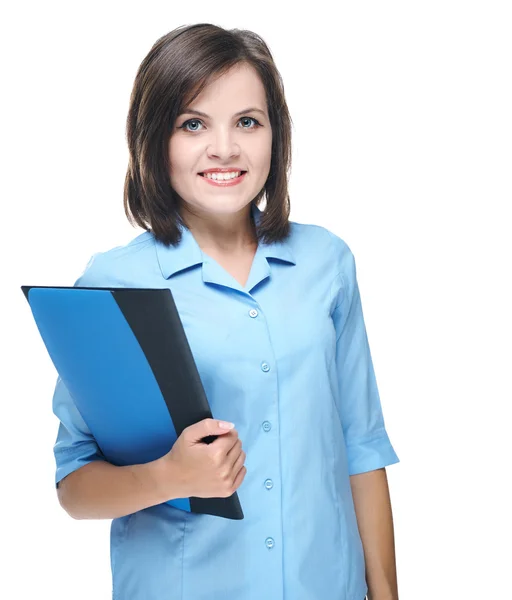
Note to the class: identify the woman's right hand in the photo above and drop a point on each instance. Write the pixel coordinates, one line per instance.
(214, 470)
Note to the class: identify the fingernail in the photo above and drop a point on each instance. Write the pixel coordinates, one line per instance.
(226, 425)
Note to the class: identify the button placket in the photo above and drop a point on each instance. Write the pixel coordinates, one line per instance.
(266, 426)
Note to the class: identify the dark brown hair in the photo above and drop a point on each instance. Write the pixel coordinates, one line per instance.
(175, 71)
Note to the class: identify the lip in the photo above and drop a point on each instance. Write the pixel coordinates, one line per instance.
(222, 170)
(229, 183)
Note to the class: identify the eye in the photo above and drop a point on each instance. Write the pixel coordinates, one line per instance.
(256, 123)
(187, 123)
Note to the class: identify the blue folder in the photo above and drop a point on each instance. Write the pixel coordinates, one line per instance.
(124, 357)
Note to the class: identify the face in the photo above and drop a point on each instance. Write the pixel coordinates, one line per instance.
(222, 138)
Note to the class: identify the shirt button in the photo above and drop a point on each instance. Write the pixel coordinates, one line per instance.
(269, 542)
(253, 313)
(269, 484)
(266, 426)
(265, 367)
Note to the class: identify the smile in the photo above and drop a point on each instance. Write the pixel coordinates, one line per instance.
(223, 182)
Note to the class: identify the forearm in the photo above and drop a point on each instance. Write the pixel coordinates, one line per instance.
(100, 490)
(375, 522)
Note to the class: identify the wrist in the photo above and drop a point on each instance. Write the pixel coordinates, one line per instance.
(165, 479)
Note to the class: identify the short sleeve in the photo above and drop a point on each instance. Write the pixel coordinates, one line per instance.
(75, 445)
(367, 442)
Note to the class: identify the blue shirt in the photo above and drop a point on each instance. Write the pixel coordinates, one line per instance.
(286, 359)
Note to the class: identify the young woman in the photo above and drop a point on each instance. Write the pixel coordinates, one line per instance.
(273, 315)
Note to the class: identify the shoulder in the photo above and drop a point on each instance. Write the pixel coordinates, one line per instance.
(330, 253)
(319, 241)
(109, 267)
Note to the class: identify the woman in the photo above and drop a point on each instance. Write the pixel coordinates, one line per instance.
(273, 315)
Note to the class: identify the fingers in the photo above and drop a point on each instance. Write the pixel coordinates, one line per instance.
(239, 462)
(224, 443)
(234, 453)
(229, 453)
(239, 478)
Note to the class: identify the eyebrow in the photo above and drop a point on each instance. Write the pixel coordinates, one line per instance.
(190, 111)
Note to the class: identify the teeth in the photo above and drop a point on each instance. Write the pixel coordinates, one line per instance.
(222, 176)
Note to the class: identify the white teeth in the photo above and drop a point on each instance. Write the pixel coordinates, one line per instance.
(222, 176)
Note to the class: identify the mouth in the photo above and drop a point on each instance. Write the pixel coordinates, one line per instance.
(224, 182)
(204, 174)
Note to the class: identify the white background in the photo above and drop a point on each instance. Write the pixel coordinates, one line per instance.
(402, 146)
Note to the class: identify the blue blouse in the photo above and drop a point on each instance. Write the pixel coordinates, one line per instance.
(286, 359)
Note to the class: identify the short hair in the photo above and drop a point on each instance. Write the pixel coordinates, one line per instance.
(174, 72)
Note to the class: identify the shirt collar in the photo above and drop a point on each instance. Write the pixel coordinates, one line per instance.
(188, 253)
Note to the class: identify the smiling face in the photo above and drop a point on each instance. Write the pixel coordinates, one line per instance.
(226, 135)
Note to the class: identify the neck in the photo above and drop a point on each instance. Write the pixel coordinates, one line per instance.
(229, 233)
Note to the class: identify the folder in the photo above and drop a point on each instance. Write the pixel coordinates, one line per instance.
(124, 357)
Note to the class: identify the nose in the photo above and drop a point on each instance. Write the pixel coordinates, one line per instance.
(223, 145)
